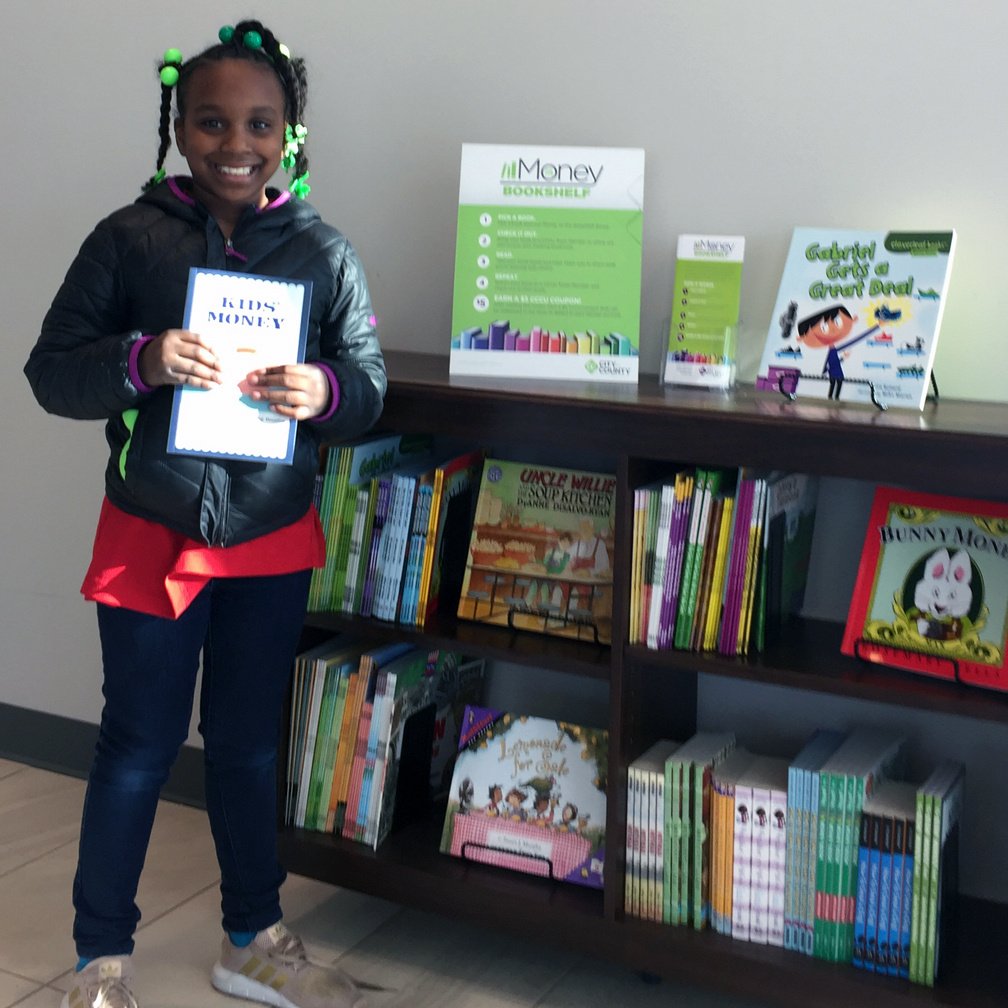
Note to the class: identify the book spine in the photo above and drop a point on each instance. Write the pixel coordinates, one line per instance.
(675, 840)
(861, 905)
(759, 869)
(779, 828)
(923, 818)
(630, 851)
(892, 939)
(791, 878)
(907, 899)
(742, 864)
(824, 842)
(884, 897)
(718, 803)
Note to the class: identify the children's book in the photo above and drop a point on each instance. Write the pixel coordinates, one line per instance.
(857, 315)
(703, 330)
(931, 594)
(348, 468)
(724, 779)
(648, 772)
(802, 817)
(698, 757)
(854, 771)
(540, 551)
(452, 505)
(787, 548)
(529, 794)
(409, 774)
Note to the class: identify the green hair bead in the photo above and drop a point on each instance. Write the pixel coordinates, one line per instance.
(226, 34)
(172, 56)
(169, 76)
(252, 40)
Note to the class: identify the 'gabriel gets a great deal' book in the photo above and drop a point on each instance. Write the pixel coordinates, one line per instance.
(857, 315)
(931, 594)
(540, 552)
(529, 794)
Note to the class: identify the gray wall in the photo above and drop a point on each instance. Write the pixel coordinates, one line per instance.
(754, 118)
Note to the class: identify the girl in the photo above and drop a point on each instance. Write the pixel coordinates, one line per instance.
(199, 554)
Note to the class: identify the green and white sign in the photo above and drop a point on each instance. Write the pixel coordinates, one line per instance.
(548, 263)
(703, 329)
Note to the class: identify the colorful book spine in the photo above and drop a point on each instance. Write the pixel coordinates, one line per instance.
(861, 911)
(742, 863)
(780, 826)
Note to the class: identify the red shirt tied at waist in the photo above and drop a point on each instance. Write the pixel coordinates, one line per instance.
(175, 568)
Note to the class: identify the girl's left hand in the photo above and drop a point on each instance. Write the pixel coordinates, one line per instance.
(295, 391)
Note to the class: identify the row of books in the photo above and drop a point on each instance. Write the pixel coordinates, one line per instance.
(395, 518)
(362, 714)
(720, 558)
(790, 852)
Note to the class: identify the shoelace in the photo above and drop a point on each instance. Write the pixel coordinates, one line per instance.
(113, 993)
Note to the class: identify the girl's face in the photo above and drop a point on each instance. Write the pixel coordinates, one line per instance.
(232, 135)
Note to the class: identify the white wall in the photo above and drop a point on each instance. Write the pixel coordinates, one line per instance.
(754, 118)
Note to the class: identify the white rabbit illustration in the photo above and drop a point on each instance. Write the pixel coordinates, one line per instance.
(943, 595)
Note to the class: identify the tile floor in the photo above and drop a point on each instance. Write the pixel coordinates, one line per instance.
(414, 959)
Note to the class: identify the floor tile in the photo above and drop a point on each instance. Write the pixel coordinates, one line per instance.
(14, 988)
(421, 961)
(40, 813)
(36, 942)
(602, 985)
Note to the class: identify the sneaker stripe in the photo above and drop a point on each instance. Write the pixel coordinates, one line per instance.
(251, 966)
(266, 973)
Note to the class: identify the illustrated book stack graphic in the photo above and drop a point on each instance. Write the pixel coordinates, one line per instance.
(529, 794)
(857, 315)
(931, 594)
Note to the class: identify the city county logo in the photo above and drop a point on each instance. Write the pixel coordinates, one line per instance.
(607, 367)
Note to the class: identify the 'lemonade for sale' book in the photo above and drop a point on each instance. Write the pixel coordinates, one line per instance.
(529, 794)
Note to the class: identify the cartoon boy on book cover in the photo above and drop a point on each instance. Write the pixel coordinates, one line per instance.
(828, 328)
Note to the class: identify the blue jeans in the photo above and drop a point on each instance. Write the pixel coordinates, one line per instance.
(248, 631)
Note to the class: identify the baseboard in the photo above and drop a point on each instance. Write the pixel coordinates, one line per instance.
(65, 745)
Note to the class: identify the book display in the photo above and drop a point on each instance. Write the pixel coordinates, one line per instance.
(540, 555)
(644, 436)
(932, 589)
(857, 315)
(529, 794)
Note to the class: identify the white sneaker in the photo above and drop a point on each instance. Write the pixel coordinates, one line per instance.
(104, 983)
(275, 970)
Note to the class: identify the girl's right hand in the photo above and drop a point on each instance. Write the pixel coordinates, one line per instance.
(179, 357)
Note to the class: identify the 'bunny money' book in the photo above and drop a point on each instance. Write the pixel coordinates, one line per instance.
(931, 594)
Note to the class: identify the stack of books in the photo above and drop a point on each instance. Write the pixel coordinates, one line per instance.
(361, 712)
(827, 853)
(720, 558)
(395, 520)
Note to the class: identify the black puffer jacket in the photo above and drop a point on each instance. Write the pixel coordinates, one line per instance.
(128, 280)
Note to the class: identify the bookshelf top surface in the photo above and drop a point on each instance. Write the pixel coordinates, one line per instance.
(953, 446)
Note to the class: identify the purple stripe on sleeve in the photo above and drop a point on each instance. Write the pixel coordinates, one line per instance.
(134, 368)
(334, 392)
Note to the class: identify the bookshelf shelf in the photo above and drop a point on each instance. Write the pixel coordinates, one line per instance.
(642, 430)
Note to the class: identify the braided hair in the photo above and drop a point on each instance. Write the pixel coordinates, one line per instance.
(248, 40)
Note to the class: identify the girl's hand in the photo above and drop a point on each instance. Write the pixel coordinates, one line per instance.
(179, 357)
(295, 391)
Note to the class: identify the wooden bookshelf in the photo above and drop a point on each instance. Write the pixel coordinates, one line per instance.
(951, 446)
